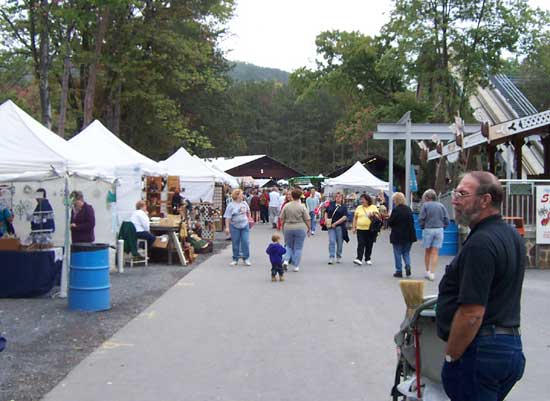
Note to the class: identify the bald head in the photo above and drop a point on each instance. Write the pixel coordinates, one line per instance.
(489, 184)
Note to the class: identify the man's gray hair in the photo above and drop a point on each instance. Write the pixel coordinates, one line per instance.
(429, 195)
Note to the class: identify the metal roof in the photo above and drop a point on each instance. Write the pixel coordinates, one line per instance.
(514, 97)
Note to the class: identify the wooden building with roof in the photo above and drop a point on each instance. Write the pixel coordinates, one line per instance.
(255, 166)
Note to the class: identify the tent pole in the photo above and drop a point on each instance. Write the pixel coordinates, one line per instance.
(390, 175)
(408, 162)
(66, 257)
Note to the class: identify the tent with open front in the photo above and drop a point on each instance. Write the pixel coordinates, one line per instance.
(357, 177)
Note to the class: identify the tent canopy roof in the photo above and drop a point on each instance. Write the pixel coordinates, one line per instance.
(358, 176)
(98, 145)
(30, 148)
(228, 163)
(188, 167)
(193, 168)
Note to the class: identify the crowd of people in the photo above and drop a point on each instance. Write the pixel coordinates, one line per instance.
(297, 213)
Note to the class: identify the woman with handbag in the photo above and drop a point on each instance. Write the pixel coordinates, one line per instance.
(335, 217)
(295, 223)
(403, 234)
(364, 219)
(237, 221)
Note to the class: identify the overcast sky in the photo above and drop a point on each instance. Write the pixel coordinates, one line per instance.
(281, 33)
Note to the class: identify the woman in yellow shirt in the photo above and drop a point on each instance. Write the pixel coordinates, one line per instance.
(362, 227)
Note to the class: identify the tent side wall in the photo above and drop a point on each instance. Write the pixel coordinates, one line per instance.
(197, 190)
(95, 193)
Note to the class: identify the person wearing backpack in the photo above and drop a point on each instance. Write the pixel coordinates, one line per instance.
(366, 225)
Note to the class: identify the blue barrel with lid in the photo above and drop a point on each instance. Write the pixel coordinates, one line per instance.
(89, 285)
(450, 240)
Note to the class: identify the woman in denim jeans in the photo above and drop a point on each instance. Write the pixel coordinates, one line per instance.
(337, 212)
(402, 234)
(295, 223)
(236, 221)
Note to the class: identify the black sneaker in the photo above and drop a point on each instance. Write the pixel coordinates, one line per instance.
(398, 274)
(408, 270)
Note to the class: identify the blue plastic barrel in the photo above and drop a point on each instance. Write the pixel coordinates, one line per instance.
(450, 240)
(89, 285)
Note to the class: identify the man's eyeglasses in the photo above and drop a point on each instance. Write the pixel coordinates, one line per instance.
(461, 195)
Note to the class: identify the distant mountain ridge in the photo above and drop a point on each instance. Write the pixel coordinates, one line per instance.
(242, 71)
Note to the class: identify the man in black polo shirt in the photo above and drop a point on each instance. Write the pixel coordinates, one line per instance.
(478, 308)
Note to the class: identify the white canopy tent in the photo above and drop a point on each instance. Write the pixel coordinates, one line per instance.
(100, 147)
(196, 176)
(110, 155)
(34, 157)
(31, 151)
(357, 177)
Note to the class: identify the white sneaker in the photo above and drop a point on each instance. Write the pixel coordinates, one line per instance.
(432, 277)
(233, 263)
(331, 261)
(247, 262)
(357, 262)
(369, 262)
(427, 275)
(285, 263)
(296, 269)
(338, 260)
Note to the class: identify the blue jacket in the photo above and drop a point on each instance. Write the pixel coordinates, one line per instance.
(275, 252)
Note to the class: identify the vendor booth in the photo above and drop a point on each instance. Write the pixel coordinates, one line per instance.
(112, 157)
(37, 161)
(204, 186)
(356, 178)
(196, 176)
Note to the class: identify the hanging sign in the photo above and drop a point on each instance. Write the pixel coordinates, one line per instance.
(543, 214)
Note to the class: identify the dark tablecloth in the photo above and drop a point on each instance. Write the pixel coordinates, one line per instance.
(28, 274)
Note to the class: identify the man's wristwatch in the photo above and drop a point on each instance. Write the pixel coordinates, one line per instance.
(448, 359)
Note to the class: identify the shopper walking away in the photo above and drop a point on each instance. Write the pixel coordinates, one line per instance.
(363, 226)
(236, 217)
(312, 203)
(296, 226)
(276, 251)
(287, 199)
(264, 206)
(433, 220)
(274, 206)
(255, 206)
(402, 234)
(478, 307)
(335, 217)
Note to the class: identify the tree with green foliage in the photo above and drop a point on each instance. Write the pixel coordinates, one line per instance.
(451, 46)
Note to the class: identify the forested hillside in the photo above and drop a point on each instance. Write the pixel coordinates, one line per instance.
(154, 74)
(244, 72)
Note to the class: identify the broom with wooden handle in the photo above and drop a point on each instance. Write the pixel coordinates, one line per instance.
(413, 293)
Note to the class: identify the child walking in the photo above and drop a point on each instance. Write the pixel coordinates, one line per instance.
(276, 251)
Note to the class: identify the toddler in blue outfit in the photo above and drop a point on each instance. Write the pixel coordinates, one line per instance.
(276, 251)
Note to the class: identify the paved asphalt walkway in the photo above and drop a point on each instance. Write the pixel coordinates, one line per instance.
(229, 333)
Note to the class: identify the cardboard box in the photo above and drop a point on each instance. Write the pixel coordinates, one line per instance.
(10, 244)
(161, 242)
